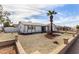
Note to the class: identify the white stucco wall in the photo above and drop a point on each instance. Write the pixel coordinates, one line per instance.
(46, 28)
(23, 29)
(38, 29)
(33, 30)
(1, 26)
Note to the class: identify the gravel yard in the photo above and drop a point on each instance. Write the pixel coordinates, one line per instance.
(6, 36)
(35, 43)
(40, 43)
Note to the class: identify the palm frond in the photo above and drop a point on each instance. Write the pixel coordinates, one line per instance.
(54, 12)
(48, 14)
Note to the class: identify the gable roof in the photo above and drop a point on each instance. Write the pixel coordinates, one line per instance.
(31, 23)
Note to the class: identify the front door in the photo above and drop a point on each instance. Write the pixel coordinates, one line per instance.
(43, 29)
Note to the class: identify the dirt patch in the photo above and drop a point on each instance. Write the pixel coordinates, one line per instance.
(10, 49)
(49, 36)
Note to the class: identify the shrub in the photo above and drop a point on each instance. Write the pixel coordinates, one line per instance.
(77, 27)
(6, 24)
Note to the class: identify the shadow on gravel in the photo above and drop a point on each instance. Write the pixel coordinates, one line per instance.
(49, 36)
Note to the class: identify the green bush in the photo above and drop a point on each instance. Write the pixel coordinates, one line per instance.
(6, 24)
(77, 27)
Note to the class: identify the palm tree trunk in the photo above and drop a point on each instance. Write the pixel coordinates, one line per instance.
(51, 27)
(51, 20)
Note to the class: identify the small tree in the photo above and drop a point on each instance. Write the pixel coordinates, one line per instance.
(6, 24)
(4, 14)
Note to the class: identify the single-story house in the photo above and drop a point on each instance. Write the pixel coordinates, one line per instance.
(10, 29)
(30, 27)
(64, 28)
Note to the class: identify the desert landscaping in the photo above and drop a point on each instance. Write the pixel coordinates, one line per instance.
(40, 43)
(37, 43)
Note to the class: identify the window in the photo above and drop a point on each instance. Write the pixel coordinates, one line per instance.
(31, 27)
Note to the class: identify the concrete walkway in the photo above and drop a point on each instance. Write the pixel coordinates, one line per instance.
(74, 49)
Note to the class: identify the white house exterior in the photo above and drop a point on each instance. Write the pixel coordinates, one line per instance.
(29, 27)
(10, 29)
(1, 26)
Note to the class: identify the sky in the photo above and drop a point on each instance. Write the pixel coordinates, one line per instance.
(67, 14)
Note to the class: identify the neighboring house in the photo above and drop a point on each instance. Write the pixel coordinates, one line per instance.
(29, 27)
(10, 29)
(1, 26)
(64, 28)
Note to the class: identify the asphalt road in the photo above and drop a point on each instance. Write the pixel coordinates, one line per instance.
(74, 49)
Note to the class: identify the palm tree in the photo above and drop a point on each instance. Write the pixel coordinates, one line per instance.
(51, 15)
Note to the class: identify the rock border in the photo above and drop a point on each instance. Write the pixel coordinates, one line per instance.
(64, 47)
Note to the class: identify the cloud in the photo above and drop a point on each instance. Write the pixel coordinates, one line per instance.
(20, 11)
(37, 13)
(68, 21)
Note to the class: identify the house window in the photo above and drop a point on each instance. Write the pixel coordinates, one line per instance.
(31, 27)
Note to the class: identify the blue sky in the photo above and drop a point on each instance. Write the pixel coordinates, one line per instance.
(68, 14)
